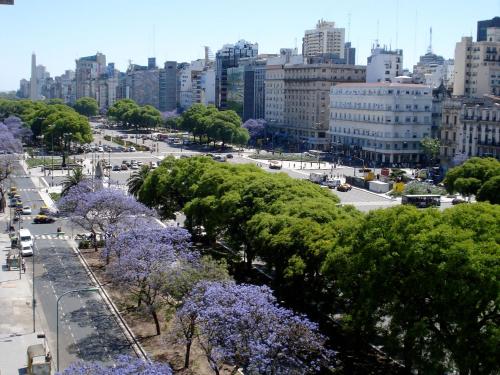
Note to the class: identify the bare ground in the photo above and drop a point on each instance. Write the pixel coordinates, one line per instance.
(160, 348)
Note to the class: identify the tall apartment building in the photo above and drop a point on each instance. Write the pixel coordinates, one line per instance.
(482, 27)
(168, 86)
(349, 54)
(384, 65)
(87, 73)
(477, 66)
(470, 127)
(306, 101)
(229, 57)
(24, 89)
(380, 122)
(324, 39)
(203, 86)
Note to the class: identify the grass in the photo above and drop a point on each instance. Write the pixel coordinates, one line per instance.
(419, 188)
(38, 161)
(55, 196)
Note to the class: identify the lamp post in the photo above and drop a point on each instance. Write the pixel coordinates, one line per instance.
(93, 289)
(33, 300)
(41, 137)
(52, 174)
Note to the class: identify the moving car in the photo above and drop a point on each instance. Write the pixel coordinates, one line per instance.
(100, 149)
(344, 187)
(134, 166)
(132, 149)
(229, 156)
(43, 219)
(457, 200)
(116, 168)
(26, 210)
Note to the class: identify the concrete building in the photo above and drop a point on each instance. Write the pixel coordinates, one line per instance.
(470, 127)
(168, 86)
(143, 85)
(306, 101)
(87, 73)
(24, 89)
(477, 66)
(482, 27)
(381, 123)
(349, 54)
(274, 85)
(384, 65)
(324, 39)
(229, 57)
(33, 80)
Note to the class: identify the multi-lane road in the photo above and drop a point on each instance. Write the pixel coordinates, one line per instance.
(87, 329)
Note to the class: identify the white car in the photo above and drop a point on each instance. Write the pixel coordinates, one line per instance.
(26, 210)
(26, 250)
(134, 166)
(100, 149)
(132, 149)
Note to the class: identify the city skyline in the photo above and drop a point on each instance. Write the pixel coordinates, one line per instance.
(70, 32)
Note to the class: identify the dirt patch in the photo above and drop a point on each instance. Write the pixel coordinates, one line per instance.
(161, 347)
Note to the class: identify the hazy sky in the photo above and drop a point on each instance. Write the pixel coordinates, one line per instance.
(59, 31)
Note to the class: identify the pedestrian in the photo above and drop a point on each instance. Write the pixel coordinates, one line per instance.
(293, 165)
(24, 266)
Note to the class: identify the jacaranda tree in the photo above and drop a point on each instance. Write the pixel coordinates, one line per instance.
(124, 365)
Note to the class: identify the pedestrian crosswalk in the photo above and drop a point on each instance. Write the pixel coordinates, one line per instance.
(51, 237)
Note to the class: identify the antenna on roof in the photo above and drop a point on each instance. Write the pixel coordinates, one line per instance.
(349, 26)
(397, 22)
(429, 50)
(378, 27)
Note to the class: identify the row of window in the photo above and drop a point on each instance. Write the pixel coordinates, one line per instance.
(380, 91)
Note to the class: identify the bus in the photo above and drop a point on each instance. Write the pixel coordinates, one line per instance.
(422, 201)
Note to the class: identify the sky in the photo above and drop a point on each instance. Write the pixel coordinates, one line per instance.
(60, 31)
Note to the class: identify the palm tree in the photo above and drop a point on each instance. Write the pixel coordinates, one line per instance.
(135, 181)
(74, 179)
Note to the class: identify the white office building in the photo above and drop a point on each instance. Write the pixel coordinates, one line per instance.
(384, 65)
(381, 123)
(324, 39)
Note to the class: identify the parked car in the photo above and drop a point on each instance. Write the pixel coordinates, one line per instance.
(229, 156)
(457, 200)
(139, 163)
(344, 187)
(116, 168)
(26, 250)
(134, 166)
(43, 219)
(132, 149)
(26, 210)
(124, 167)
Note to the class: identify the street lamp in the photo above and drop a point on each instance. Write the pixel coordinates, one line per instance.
(93, 289)
(41, 137)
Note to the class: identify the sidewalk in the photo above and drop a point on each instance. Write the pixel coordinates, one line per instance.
(16, 314)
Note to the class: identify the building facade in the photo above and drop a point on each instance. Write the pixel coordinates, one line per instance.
(380, 123)
(168, 86)
(482, 27)
(306, 101)
(87, 73)
(477, 66)
(384, 65)
(229, 57)
(470, 127)
(324, 39)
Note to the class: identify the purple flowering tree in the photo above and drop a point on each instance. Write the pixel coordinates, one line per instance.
(147, 257)
(242, 325)
(11, 134)
(124, 365)
(97, 210)
(256, 129)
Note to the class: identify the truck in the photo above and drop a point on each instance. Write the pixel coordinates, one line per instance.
(39, 358)
(332, 183)
(318, 178)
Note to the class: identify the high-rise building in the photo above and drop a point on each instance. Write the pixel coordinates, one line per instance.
(477, 66)
(306, 106)
(381, 122)
(168, 86)
(324, 39)
(229, 57)
(33, 80)
(482, 27)
(87, 73)
(349, 54)
(24, 89)
(384, 65)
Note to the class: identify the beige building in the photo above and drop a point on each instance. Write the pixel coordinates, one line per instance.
(307, 98)
(470, 127)
(477, 66)
(325, 38)
(381, 123)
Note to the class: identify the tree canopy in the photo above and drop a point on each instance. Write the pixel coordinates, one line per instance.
(86, 106)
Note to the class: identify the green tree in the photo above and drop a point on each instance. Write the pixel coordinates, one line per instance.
(467, 186)
(86, 106)
(121, 111)
(74, 179)
(480, 168)
(136, 180)
(490, 191)
(431, 147)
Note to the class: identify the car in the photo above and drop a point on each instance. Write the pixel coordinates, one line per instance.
(344, 187)
(229, 156)
(124, 167)
(116, 168)
(458, 200)
(154, 165)
(132, 149)
(43, 219)
(139, 163)
(134, 166)
(26, 250)
(26, 210)
(133, 161)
